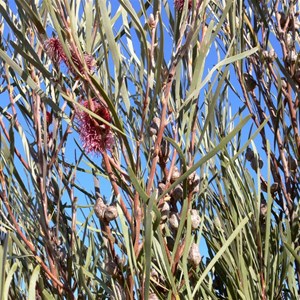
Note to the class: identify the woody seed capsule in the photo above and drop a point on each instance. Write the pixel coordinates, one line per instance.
(100, 208)
(161, 188)
(165, 211)
(175, 174)
(274, 188)
(177, 193)
(111, 213)
(155, 124)
(194, 256)
(249, 154)
(174, 220)
(292, 162)
(195, 218)
(154, 275)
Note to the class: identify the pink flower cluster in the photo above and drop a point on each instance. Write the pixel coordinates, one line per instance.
(180, 3)
(56, 52)
(95, 135)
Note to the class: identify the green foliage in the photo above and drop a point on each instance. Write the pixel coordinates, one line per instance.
(149, 153)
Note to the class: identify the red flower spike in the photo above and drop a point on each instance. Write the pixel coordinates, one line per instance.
(55, 50)
(95, 135)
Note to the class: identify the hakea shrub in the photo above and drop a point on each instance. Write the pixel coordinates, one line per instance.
(96, 136)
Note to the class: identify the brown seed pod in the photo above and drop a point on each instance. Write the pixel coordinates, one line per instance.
(260, 163)
(111, 213)
(100, 208)
(177, 193)
(161, 188)
(195, 218)
(284, 83)
(297, 76)
(274, 188)
(263, 209)
(175, 174)
(269, 56)
(265, 54)
(292, 57)
(272, 55)
(193, 179)
(174, 220)
(256, 163)
(164, 150)
(250, 82)
(292, 162)
(249, 154)
(110, 267)
(196, 189)
(121, 261)
(154, 275)
(155, 124)
(194, 182)
(165, 210)
(194, 256)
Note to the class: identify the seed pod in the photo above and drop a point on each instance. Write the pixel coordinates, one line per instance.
(111, 213)
(165, 210)
(194, 183)
(260, 163)
(265, 54)
(154, 275)
(269, 56)
(297, 76)
(256, 163)
(194, 256)
(164, 150)
(250, 82)
(283, 83)
(274, 188)
(263, 209)
(272, 55)
(161, 188)
(290, 42)
(249, 154)
(110, 267)
(292, 162)
(175, 174)
(155, 124)
(121, 261)
(193, 179)
(292, 57)
(195, 218)
(196, 189)
(100, 208)
(174, 220)
(177, 193)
